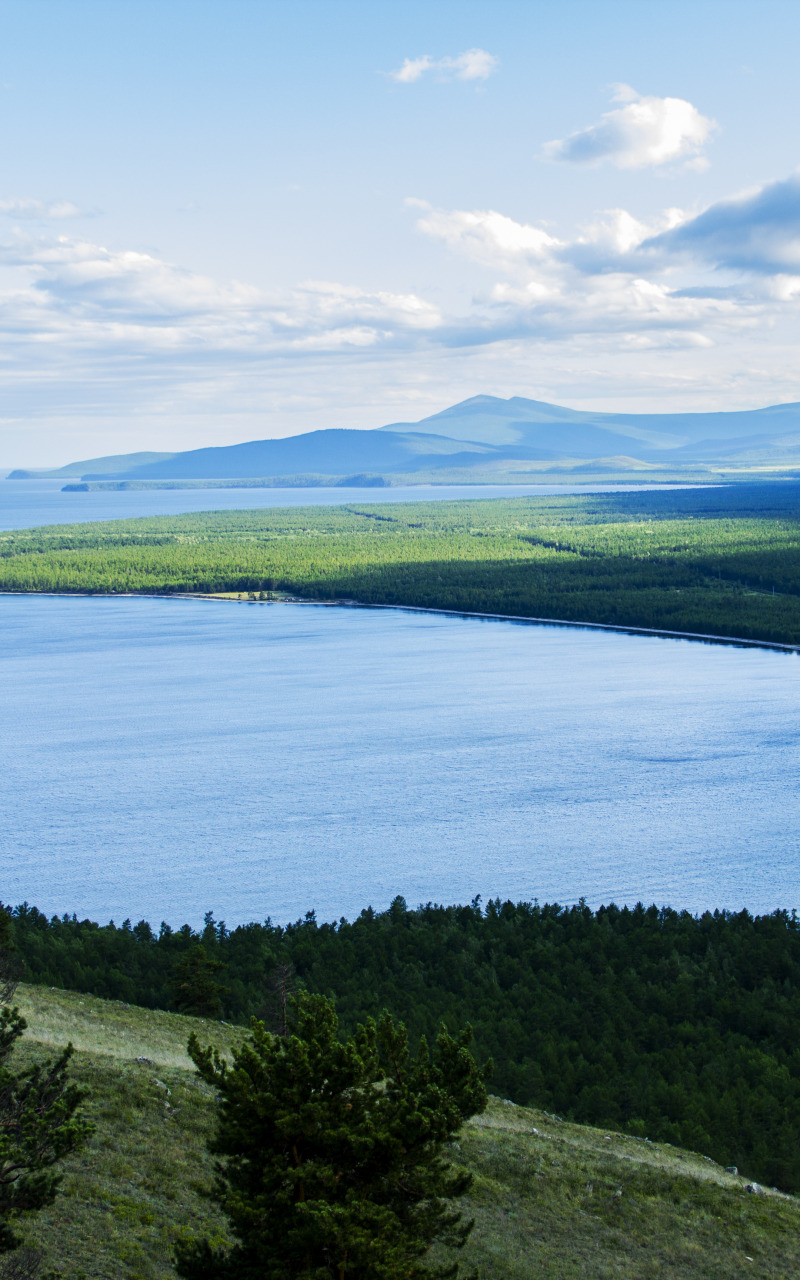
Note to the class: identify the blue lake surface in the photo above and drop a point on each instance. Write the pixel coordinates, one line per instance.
(162, 758)
(26, 503)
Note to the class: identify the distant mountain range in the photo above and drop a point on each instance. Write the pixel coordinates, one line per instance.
(484, 433)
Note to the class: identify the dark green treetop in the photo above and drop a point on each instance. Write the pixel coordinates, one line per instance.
(331, 1154)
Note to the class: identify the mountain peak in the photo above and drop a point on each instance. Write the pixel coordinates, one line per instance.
(480, 430)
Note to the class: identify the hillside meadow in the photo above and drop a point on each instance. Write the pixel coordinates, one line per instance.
(719, 561)
(550, 1198)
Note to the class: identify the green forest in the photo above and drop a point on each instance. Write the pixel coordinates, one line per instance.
(653, 1022)
(719, 561)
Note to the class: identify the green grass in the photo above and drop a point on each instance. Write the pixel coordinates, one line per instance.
(550, 1198)
(128, 1196)
(715, 562)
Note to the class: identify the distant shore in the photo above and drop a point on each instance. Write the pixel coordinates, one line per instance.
(243, 597)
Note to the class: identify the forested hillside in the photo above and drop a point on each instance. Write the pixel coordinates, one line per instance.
(713, 561)
(652, 1022)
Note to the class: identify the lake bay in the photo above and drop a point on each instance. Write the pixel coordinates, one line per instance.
(162, 758)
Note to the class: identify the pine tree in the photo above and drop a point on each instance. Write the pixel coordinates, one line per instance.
(281, 986)
(194, 984)
(39, 1124)
(331, 1163)
(10, 963)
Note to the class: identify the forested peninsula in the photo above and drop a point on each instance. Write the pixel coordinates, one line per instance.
(718, 561)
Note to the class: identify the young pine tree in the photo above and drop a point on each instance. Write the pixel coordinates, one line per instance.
(194, 985)
(331, 1162)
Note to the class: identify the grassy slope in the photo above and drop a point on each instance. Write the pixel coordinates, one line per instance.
(550, 1198)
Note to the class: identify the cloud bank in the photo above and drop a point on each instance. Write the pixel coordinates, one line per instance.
(82, 294)
(647, 131)
(689, 275)
(473, 64)
(679, 278)
(98, 328)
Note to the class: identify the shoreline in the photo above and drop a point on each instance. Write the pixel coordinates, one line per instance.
(237, 598)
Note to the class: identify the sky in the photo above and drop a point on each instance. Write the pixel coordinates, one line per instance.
(225, 221)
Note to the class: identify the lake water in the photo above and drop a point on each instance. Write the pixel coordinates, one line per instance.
(26, 503)
(162, 758)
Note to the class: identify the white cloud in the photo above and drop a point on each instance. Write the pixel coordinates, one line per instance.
(472, 64)
(45, 209)
(484, 235)
(647, 131)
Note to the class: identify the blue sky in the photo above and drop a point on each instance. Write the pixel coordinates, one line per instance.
(225, 221)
